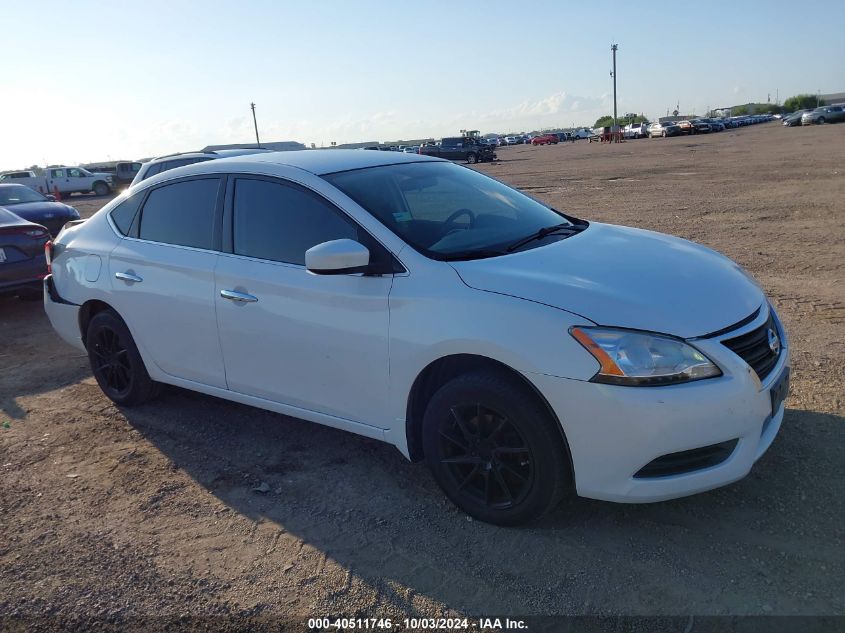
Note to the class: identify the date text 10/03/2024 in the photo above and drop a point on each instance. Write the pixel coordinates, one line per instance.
(417, 624)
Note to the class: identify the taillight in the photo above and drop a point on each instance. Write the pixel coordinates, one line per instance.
(48, 255)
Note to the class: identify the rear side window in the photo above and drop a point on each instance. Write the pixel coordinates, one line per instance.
(124, 214)
(181, 213)
(280, 222)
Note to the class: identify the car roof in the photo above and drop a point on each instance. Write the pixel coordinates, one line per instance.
(320, 162)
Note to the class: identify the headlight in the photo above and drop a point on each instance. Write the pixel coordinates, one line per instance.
(642, 359)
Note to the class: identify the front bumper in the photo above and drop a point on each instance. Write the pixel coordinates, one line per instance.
(614, 432)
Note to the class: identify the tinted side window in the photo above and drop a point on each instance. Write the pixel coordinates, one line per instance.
(280, 222)
(152, 170)
(124, 214)
(181, 213)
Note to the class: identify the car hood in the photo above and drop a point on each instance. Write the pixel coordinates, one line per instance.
(625, 277)
(30, 210)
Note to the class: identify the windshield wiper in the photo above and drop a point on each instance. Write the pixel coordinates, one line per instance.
(458, 256)
(544, 232)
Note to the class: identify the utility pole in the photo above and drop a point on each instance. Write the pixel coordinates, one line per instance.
(613, 48)
(255, 123)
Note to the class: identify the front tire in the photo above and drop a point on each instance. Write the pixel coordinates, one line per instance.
(664, 134)
(116, 362)
(472, 159)
(820, 120)
(494, 449)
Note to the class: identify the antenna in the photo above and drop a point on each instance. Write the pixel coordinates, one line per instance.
(255, 123)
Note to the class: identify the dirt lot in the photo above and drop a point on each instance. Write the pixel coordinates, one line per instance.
(151, 511)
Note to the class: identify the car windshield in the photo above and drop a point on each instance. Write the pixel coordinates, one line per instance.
(446, 211)
(16, 194)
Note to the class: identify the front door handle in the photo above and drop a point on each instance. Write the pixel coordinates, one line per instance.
(128, 277)
(240, 297)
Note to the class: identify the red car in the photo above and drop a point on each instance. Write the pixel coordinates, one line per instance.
(545, 139)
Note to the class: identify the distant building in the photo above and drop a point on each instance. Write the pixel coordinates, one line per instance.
(835, 98)
(279, 146)
(356, 145)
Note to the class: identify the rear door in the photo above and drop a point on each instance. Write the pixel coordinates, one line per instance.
(315, 342)
(162, 277)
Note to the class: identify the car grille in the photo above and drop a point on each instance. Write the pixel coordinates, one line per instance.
(754, 348)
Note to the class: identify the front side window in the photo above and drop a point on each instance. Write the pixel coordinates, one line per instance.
(280, 222)
(57, 173)
(446, 211)
(181, 213)
(74, 173)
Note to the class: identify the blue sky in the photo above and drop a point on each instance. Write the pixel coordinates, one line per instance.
(95, 80)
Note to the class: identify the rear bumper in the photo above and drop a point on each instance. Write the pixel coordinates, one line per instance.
(22, 275)
(63, 315)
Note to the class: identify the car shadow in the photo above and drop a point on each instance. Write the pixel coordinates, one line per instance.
(362, 504)
(32, 357)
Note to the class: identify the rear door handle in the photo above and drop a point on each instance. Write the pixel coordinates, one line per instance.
(240, 297)
(128, 277)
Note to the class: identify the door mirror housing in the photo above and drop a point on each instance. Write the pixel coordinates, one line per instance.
(337, 257)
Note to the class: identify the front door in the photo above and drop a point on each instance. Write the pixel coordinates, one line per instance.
(315, 342)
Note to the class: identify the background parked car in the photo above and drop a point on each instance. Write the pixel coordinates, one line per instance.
(66, 180)
(171, 161)
(35, 207)
(545, 139)
(794, 119)
(635, 130)
(663, 129)
(22, 262)
(824, 114)
(700, 126)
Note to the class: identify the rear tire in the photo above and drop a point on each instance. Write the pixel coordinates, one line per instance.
(101, 188)
(116, 362)
(494, 449)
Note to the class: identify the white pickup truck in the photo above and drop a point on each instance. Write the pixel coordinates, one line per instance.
(67, 180)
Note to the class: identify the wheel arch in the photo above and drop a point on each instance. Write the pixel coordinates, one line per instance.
(87, 311)
(439, 372)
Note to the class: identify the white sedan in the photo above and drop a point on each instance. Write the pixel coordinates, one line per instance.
(521, 352)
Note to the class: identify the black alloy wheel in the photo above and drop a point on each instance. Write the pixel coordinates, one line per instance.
(485, 456)
(115, 361)
(110, 362)
(494, 448)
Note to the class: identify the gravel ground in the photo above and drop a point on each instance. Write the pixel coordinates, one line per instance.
(150, 512)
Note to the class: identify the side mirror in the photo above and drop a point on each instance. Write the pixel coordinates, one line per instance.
(50, 197)
(337, 257)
